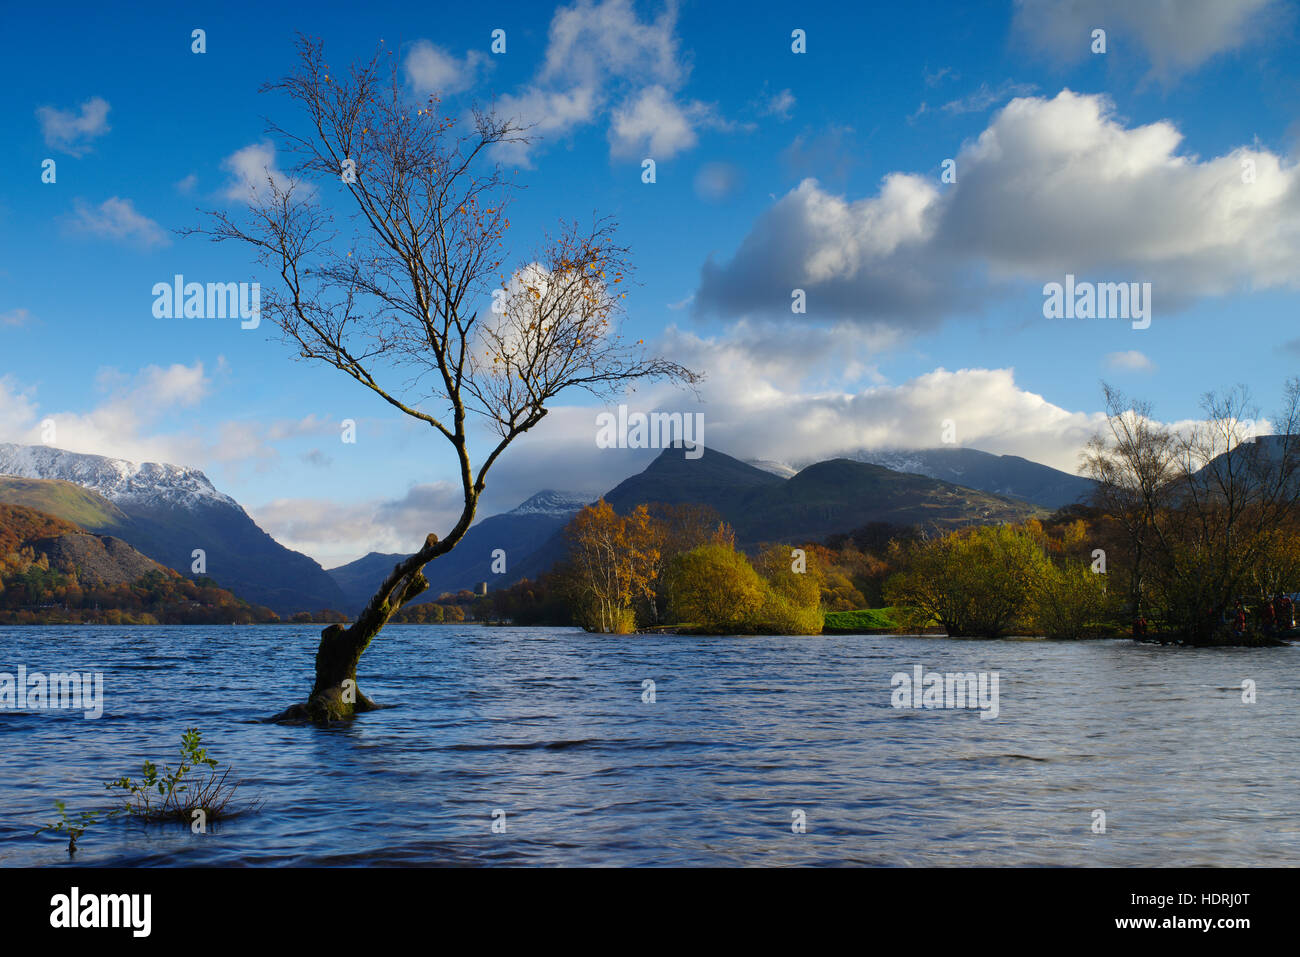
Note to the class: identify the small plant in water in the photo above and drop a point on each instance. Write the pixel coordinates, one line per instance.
(72, 825)
(165, 794)
(161, 795)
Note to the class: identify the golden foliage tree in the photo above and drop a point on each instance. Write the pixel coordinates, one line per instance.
(677, 528)
(1068, 600)
(613, 560)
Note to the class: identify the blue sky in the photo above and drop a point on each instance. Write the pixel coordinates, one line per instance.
(775, 170)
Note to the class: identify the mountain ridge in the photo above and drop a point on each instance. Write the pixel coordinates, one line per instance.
(116, 479)
(166, 511)
(1008, 475)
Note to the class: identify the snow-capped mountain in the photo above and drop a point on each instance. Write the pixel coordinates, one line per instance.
(170, 513)
(119, 481)
(550, 502)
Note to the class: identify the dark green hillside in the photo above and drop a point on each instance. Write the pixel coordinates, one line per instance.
(834, 496)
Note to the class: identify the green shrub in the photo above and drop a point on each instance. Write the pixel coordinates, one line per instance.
(716, 589)
(976, 583)
(782, 615)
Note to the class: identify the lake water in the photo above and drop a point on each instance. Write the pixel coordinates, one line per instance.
(550, 726)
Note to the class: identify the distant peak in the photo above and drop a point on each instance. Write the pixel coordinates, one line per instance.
(550, 502)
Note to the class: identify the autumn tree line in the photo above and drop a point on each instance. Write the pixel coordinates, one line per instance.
(677, 566)
(37, 594)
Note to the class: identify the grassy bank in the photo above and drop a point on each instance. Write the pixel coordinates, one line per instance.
(865, 621)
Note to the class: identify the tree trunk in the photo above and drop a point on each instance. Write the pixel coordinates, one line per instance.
(335, 695)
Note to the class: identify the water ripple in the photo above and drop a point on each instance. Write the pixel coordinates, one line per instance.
(549, 727)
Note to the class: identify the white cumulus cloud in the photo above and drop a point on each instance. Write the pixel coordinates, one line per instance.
(603, 61)
(1130, 360)
(1052, 186)
(253, 170)
(653, 124)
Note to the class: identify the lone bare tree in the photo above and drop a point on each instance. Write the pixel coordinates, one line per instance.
(394, 300)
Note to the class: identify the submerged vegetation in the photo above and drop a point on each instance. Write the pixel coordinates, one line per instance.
(392, 302)
(193, 793)
(1207, 515)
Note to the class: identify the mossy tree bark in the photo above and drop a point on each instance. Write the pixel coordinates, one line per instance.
(335, 696)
